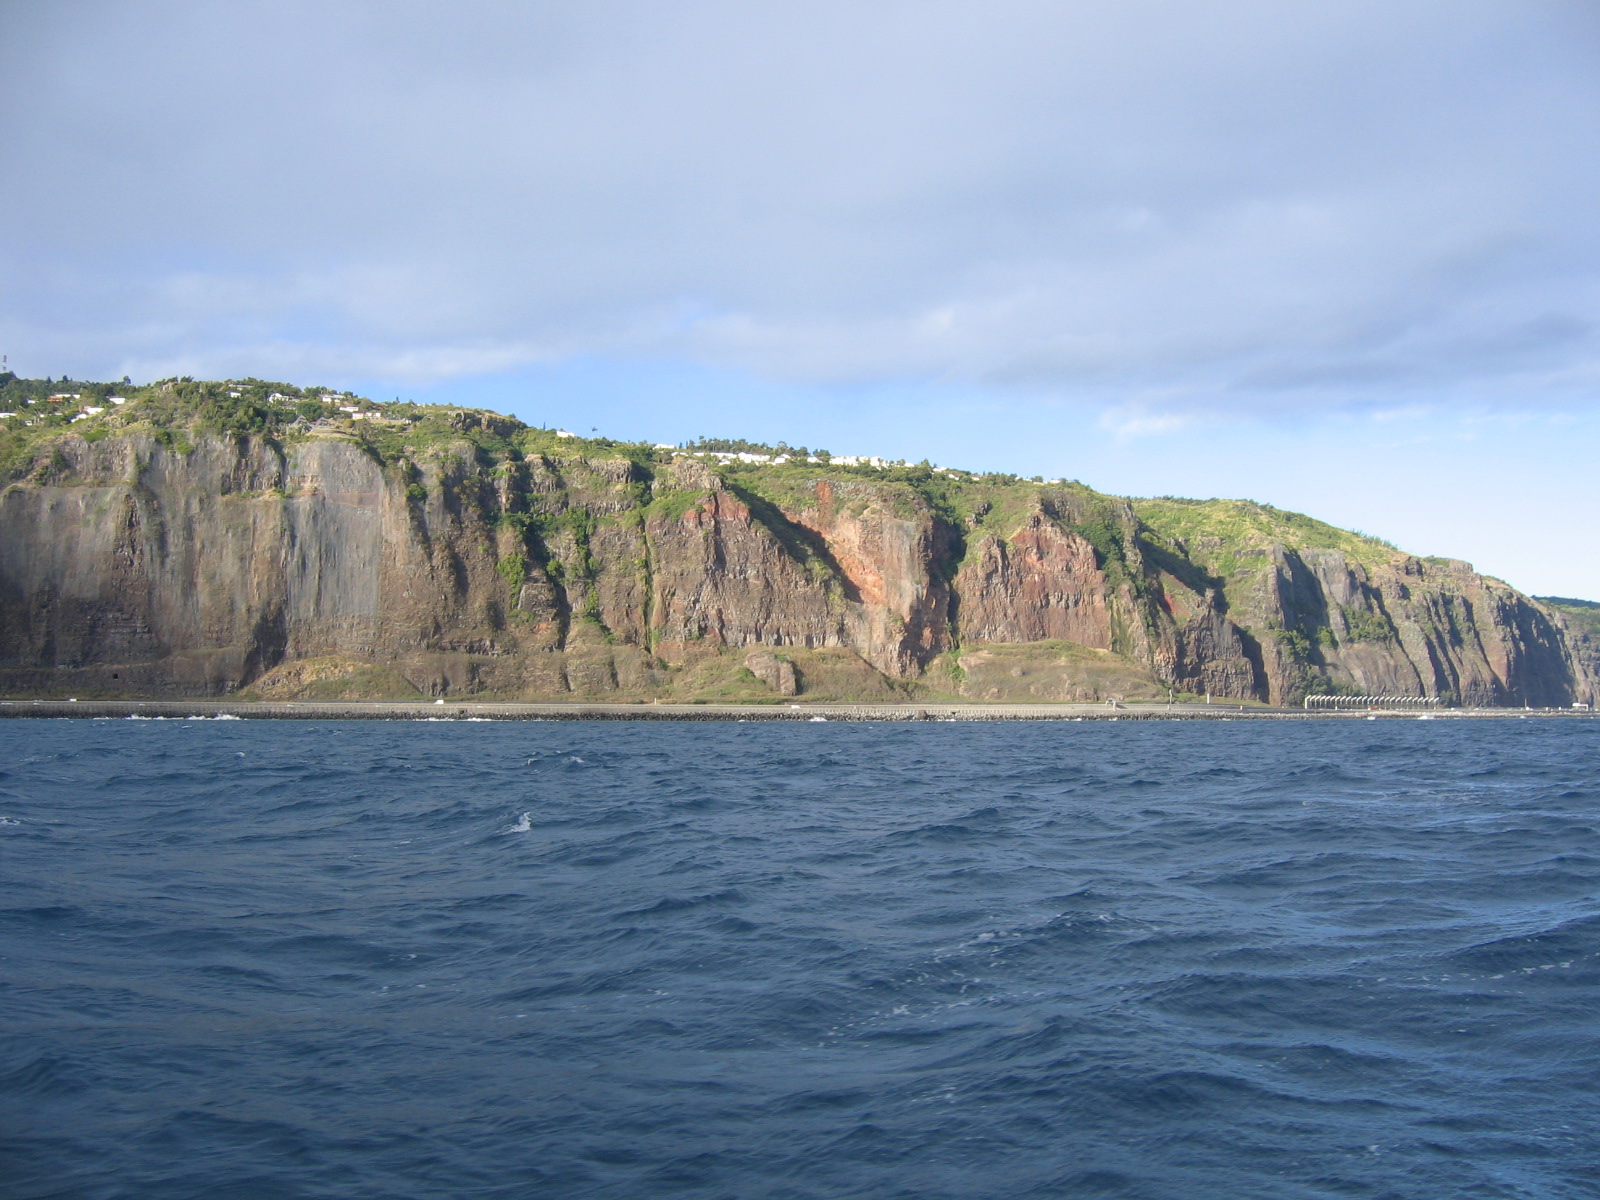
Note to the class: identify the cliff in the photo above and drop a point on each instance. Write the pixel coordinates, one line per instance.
(1582, 622)
(208, 539)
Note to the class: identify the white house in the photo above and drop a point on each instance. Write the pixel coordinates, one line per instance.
(859, 460)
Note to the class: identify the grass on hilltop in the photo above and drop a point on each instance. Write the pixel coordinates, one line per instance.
(1223, 535)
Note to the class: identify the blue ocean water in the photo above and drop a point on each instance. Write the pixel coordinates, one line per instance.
(1178, 960)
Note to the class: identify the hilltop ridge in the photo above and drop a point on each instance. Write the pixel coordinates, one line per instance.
(205, 538)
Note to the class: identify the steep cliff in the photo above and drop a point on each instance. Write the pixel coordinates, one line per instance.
(1326, 610)
(1582, 621)
(216, 538)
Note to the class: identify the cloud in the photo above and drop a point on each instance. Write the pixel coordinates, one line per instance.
(1157, 207)
(1125, 423)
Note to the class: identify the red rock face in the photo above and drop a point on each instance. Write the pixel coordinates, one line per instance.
(716, 574)
(885, 556)
(1043, 582)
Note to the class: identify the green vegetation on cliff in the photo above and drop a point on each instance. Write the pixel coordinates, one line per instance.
(1225, 535)
(1582, 615)
(176, 411)
(359, 548)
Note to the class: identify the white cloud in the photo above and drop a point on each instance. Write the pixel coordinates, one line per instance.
(1160, 207)
(1131, 423)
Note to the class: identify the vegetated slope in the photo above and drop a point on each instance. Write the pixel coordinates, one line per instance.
(210, 538)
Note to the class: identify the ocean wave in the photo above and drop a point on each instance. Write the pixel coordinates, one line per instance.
(1168, 960)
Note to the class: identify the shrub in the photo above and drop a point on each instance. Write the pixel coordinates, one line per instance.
(1368, 626)
(513, 568)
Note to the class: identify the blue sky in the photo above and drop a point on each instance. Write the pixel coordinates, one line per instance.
(1336, 257)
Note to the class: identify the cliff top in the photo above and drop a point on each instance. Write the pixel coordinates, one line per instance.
(1581, 615)
(175, 411)
(1221, 536)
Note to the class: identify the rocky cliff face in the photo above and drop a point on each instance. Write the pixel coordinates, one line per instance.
(1581, 619)
(475, 562)
(1408, 627)
(1323, 610)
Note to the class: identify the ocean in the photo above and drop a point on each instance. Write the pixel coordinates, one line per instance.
(1174, 960)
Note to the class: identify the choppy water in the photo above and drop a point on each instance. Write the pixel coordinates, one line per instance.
(278, 959)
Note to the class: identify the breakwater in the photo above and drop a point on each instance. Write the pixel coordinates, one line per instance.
(387, 710)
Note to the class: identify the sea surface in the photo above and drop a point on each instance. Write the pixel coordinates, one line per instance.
(1184, 960)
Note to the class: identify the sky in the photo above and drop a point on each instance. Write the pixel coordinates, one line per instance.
(1341, 257)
